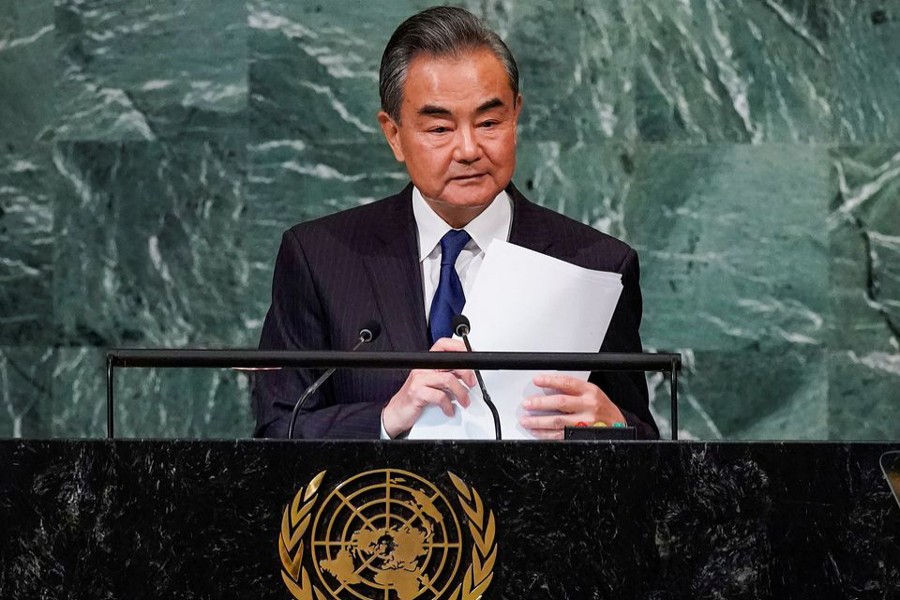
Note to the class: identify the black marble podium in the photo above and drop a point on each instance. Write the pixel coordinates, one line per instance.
(578, 520)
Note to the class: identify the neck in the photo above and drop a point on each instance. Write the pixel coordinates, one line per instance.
(456, 217)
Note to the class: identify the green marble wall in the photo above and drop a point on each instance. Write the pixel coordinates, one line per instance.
(151, 153)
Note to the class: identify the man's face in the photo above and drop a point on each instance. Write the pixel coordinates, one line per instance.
(457, 132)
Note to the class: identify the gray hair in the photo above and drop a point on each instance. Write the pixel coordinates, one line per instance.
(437, 31)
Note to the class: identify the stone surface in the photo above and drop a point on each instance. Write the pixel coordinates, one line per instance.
(313, 69)
(864, 236)
(587, 182)
(182, 403)
(77, 406)
(738, 71)
(149, 403)
(201, 519)
(151, 154)
(137, 71)
(864, 395)
(152, 258)
(575, 64)
(149, 244)
(755, 395)
(866, 50)
(25, 388)
(26, 63)
(27, 194)
(732, 240)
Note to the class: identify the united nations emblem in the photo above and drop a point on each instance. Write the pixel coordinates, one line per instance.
(386, 535)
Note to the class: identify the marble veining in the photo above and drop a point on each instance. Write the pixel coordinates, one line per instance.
(151, 154)
(671, 520)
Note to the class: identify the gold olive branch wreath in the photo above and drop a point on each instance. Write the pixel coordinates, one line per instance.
(294, 523)
(296, 518)
(483, 528)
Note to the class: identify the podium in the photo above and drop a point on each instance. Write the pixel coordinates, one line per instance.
(396, 520)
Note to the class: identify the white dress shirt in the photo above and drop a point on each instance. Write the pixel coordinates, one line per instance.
(493, 223)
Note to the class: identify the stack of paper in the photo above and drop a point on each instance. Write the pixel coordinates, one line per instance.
(524, 301)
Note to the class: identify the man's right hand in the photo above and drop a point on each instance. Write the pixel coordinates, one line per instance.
(427, 386)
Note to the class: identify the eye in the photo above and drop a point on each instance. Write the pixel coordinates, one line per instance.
(438, 130)
(489, 124)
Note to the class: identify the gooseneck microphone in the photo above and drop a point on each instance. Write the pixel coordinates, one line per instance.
(368, 333)
(461, 327)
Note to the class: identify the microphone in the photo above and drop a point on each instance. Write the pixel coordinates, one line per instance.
(461, 327)
(368, 333)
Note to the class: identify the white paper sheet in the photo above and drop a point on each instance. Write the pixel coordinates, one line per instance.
(524, 301)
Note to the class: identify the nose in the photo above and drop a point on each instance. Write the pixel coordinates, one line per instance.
(467, 150)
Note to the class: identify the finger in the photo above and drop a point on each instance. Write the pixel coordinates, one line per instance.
(448, 345)
(564, 383)
(457, 390)
(447, 405)
(560, 402)
(443, 382)
(548, 434)
(467, 375)
(437, 397)
(548, 421)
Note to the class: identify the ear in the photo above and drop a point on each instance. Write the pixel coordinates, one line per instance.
(518, 107)
(391, 132)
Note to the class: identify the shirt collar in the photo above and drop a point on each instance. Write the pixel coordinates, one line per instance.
(493, 223)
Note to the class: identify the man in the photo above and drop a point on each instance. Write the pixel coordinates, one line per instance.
(450, 107)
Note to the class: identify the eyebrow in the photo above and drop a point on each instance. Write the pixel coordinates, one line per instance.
(432, 110)
(492, 103)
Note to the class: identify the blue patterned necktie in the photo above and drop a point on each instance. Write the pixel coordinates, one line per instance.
(449, 298)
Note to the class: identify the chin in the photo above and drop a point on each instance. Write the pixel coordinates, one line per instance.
(472, 204)
(473, 198)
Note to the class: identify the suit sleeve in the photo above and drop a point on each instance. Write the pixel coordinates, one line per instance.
(297, 320)
(628, 390)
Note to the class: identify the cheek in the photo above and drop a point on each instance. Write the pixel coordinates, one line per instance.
(503, 152)
(436, 160)
(502, 140)
(430, 149)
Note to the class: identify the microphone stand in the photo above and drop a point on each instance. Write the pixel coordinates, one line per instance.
(462, 330)
(367, 334)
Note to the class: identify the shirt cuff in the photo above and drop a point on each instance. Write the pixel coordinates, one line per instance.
(384, 433)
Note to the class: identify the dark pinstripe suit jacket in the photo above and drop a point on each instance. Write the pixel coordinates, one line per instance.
(335, 273)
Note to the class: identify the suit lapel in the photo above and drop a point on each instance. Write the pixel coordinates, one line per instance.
(393, 267)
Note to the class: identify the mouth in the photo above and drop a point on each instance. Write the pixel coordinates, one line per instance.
(468, 177)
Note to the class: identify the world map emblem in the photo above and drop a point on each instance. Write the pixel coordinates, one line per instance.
(387, 535)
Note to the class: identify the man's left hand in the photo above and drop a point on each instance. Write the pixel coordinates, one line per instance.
(579, 401)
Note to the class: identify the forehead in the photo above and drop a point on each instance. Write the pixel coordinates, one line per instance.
(470, 75)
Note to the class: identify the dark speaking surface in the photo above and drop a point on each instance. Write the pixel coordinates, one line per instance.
(145, 519)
